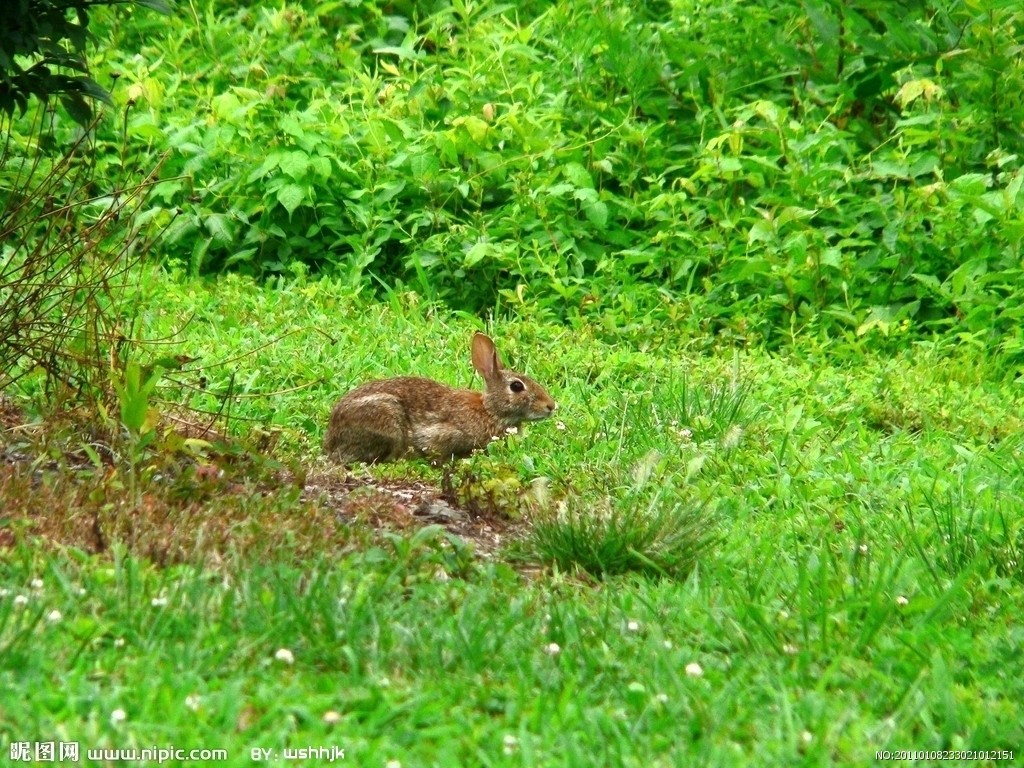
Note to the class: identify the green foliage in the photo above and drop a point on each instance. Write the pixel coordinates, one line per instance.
(860, 512)
(856, 173)
(40, 44)
(656, 540)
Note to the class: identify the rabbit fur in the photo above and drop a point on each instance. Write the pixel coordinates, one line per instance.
(411, 416)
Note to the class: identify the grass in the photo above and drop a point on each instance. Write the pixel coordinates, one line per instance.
(764, 559)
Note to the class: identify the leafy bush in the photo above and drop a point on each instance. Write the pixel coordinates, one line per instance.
(854, 172)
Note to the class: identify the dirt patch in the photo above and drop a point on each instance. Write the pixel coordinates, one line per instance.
(234, 502)
(408, 504)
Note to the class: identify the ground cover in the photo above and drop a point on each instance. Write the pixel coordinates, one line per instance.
(854, 586)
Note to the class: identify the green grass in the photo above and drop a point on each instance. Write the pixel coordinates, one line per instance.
(853, 583)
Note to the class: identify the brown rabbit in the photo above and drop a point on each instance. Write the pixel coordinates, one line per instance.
(411, 416)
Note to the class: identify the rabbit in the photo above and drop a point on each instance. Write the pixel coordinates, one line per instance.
(415, 417)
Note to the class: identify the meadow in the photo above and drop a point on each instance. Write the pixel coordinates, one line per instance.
(854, 586)
(776, 519)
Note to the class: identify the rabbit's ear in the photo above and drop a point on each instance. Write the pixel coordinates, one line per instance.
(485, 357)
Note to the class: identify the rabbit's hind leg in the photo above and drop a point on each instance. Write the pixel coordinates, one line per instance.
(372, 428)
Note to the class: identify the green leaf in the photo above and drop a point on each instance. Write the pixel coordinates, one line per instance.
(220, 227)
(291, 196)
(578, 176)
(295, 164)
(477, 253)
(597, 214)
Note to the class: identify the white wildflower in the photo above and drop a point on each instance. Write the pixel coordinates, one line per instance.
(54, 616)
(552, 649)
(284, 655)
(732, 437)
(693, 669)
(118, 716)
(509, 744)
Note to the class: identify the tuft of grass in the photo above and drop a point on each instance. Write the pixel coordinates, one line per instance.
(660, 539)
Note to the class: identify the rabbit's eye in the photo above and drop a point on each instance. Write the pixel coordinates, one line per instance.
(516, 385)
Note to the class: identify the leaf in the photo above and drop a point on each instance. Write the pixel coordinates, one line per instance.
(424, 165)
(578, 176)
(220, 227)
(761, 231)
(597, 214)
(160, 6)
(295, 164)
(240, 257)
(475, 127)
(290, 196)
(477, 253)
(77, 108)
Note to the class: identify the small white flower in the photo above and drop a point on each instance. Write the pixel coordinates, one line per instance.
(806, 737)
(552, 649)
(693, 669)
(783, 614)
(82, 592)
(384, 682)
(392, 764)
(509, 744)
(20, 600)
(685, 433)
(118, 716)
(331, 717)
(560, 425)
(283, 654)
(54, 616)
(863, 549)
(158, 602)
(4, 592)
(36, 583)
(789, 649)
(668, 645)
(732, 437)
(661, 698)
(119, 642)
(511, 430)
(901, 601)
(633, 626)
(193, 701)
